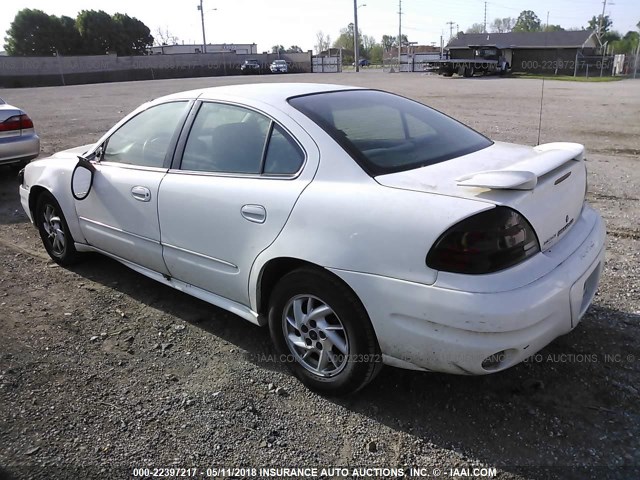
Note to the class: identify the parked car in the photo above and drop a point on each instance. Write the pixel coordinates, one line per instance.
(19, 142)
(279, 66)
(362, 227)
(363, 62)
(250, 66)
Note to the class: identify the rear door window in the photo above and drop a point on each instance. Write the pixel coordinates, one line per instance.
(232, 139)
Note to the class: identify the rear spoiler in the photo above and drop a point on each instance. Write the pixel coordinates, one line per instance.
(524, 175)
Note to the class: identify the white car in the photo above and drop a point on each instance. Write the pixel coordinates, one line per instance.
(279, 66)
(19, 142)
(363, 227)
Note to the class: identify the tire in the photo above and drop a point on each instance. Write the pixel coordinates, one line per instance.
(54, 231)
(340, 349)
(469, 72)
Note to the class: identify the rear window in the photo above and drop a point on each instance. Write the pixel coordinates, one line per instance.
(386, 133)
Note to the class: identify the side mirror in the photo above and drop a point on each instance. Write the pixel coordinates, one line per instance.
(82, 178)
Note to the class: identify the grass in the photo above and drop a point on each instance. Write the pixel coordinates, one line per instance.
(566, 78)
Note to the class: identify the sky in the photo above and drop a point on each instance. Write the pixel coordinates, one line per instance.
(296, 22)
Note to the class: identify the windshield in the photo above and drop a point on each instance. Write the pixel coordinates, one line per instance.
(386, 133)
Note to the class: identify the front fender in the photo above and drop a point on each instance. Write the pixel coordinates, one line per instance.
(54, 175)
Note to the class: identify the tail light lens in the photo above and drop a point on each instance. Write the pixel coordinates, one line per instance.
(17, 122)
(484, 243)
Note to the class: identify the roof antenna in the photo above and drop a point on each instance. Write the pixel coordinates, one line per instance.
(546, 34)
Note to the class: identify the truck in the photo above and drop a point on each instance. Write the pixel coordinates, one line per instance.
(484, 60)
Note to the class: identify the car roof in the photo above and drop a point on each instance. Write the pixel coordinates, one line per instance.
(272, 93)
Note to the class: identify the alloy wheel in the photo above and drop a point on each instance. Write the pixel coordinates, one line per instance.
(52, 225)
(315, 335)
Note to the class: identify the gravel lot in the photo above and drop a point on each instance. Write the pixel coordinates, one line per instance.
(103, 370)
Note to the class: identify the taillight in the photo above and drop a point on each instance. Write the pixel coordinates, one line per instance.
(17, 122)
(26, 121)
(484, 243)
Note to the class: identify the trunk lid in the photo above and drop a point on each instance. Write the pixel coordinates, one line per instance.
(7, 111)
(546, 184)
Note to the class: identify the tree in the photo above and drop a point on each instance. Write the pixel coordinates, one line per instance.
(322, 42)
(33, 33)
(165, 37)
(278, 49)
(627, 44)
(376, 54)
(131, 36)
(594, 24)
(368, 42)
(476, 28)
(527, 21)
(553, 28)
(503, 25)
(390, 41)
(97, 30)
(294, 49)
(70, 42)
(345, 39)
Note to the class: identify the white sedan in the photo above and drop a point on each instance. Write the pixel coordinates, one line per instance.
(363, 227)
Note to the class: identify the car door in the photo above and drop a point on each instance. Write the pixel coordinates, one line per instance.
(120, 214)
(239, 178)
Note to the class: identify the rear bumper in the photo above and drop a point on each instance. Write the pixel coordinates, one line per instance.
(19, 148)
(433, 328)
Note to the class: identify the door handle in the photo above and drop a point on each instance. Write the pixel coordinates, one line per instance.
(142, 194)
(254, 213)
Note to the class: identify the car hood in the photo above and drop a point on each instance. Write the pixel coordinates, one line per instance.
(546, 183)
(72, 152)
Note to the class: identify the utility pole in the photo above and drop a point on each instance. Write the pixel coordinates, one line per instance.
(485, 18)
(547, 21)
(451, 24)
(355, 35)
(399, 33)
(635, 64)
(204, 39)
(604, 6)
